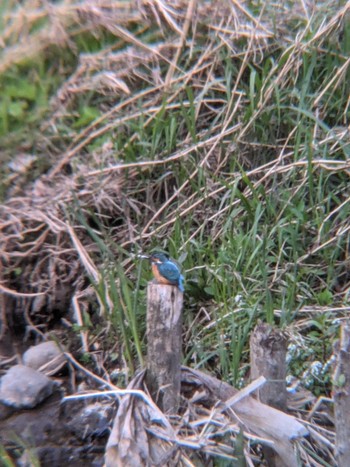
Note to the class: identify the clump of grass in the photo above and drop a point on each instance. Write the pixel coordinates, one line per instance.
(224, 142)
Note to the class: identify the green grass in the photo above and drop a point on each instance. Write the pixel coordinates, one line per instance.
(237, 168)
(5, 458)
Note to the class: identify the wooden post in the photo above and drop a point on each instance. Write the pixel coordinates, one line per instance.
(268, 348)
(164, 329)
(341, 395)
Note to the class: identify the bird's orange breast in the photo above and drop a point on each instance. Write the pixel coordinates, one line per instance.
(159, 278)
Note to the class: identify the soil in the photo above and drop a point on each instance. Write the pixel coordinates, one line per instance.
(55, 432)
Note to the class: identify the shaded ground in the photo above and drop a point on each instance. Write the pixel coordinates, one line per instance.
(214, 130)
(55, 432)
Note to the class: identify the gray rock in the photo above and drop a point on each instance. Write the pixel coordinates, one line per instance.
(38, 304)
(46, 357)
(93, 421)
(24, 388)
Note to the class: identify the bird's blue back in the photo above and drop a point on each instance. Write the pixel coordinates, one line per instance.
(172, 272)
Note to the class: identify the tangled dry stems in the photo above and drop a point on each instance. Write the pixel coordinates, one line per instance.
(39, 233)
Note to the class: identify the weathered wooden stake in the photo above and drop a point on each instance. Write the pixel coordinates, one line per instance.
(341, 395)
(268, 348)
(164, 349)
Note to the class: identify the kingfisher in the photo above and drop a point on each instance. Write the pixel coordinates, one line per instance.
(165, 270)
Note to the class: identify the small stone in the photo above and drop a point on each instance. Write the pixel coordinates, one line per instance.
(92, 421)
(46, 357)
(24, 388)
(38, 303)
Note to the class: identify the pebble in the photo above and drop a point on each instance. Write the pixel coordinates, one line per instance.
(93, 421)
(23, 387)
(46, 357)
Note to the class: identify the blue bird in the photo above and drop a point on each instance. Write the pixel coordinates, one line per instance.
(166, 271)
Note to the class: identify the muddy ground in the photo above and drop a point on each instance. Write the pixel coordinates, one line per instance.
(55, 432)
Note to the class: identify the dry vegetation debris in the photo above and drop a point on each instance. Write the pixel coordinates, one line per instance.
(189, 107)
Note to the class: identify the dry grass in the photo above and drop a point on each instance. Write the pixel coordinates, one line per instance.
(199, 110)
